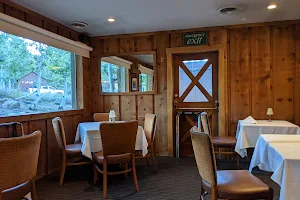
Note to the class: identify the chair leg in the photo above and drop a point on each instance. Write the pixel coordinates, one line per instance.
(105, 179)
(270, 195)
(63, 169)
(154, 162)
(134, 174)
(95, 175)
(147, 161)
(214, 193)
(126, 168)
(33, 191)
(237, 161)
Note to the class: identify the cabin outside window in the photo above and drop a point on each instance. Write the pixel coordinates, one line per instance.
(35, 77)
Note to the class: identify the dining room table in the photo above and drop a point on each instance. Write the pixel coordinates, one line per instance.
(88, 133)
(280, 154)
(247, 134)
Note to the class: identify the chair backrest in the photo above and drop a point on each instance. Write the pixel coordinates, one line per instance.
(205, 123)
(204, 155)
(118, 137)
(101, 117)
(150, 127)
(59, 132)
(19, 159)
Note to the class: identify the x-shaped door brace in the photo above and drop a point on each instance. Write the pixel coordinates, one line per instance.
(195, 80)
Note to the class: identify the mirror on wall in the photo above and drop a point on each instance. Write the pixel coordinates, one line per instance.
(128, 73)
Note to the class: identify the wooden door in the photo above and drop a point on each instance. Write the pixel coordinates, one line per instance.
(195, 91)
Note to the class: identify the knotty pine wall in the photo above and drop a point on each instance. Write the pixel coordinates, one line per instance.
(263, 71)
(50, 154)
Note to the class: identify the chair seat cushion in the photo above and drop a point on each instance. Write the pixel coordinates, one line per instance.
(74, 149)
(112, 159)
(238, 184)
(224, 141)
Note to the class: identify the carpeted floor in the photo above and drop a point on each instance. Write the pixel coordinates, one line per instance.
(176, 179)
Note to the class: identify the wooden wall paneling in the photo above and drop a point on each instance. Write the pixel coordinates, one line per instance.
(25, 128)
(53, 151)
(112, 103)
(68, 125)
(4, 132)
(126, 45)
(283, 67)
(50, 26)
(144, 43)
(63, 32)
(1, 7)
(176, 40)
(34, 20)
(240, 80)
(297, 76)
(217, 37)
(11, 11)
(145, 105)
(161, 42)
(74, 36)
(76, 119)
(261, 71)
(111, 46)
(42, 162)
(97, 100)
(128, 108)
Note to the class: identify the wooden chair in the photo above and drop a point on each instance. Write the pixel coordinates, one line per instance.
(224, 184)
(220, 142)
(71, 153)
(18, 161)
(101, 117)
(149, 129)
(118, 144)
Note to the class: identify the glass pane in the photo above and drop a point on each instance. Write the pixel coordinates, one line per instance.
(35, 77)
(206, 80)
(113, 77)
(184, 81)
(195, 95)
(195, 65)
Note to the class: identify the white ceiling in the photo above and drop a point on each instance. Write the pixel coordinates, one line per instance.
(134, 16)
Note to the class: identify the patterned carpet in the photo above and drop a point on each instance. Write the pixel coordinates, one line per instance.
(176, 179)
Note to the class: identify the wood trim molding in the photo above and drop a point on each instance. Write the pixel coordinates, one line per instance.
(222, 87)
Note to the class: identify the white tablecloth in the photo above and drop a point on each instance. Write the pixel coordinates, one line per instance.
(281, 156)
(247, 134)
(88, 133)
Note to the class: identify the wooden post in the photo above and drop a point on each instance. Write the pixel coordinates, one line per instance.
(177, 135)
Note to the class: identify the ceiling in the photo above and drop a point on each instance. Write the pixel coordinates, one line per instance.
(133, 16)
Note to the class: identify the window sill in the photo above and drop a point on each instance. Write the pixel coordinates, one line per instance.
(32, 117)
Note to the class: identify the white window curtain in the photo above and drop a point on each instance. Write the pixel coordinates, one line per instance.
(117, 61)
(20, 28)
(145, 70)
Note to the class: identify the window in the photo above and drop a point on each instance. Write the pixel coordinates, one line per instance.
(115, 74)
(146, 79)
(35, 77)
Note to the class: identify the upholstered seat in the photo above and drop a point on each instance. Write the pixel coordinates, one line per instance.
(71, 153)
(223, 141)
(19, 161)
(150, 129)
(219, 142)
(118, 147)
(237, 184)
(74, 149)
(226, 184)
(112, 159)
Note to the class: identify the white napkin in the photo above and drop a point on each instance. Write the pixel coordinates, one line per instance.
(250, 120)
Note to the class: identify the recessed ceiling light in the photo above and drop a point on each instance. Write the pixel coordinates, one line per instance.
(272, 6)
(228, 10)
(79, 24)
(111, 19)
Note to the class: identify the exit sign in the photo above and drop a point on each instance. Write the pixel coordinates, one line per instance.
(195, 39)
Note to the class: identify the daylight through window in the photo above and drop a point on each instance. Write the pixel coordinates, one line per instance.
(34, 77)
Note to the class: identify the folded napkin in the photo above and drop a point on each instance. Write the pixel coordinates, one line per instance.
(250, 120)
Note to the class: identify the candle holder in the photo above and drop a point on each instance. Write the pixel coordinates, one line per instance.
(270, 113)
(112, 116)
